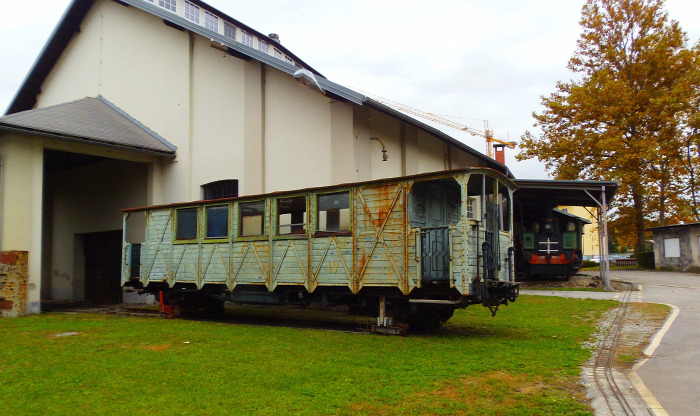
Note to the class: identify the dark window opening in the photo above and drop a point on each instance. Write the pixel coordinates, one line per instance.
(227, 188)
(217, 221)
(291, 215)
(334, 212)
(186, 224)
(252, 219)
(504, 207)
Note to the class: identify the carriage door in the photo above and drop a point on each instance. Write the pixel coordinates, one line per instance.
(436, 237)
(430, 202)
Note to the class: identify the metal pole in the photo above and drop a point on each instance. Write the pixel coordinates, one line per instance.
(604, 205)
(599, 220)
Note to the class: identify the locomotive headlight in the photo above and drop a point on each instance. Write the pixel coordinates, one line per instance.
(548, 226)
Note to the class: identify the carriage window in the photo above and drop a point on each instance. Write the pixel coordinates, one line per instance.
(186, 224)
(291, 215)
(252, 219)
(474, 189)
(334, 212)
(217, 221)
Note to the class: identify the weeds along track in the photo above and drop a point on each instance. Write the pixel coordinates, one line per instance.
(604, 362)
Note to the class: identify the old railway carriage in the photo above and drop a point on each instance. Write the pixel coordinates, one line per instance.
(412, 248)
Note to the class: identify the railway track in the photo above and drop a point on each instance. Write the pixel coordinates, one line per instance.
(618, 399)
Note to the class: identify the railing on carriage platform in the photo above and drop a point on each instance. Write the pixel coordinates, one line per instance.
(435, 253)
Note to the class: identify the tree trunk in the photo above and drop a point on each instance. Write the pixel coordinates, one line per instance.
(638, 199)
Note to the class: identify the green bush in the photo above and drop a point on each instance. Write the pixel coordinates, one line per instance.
(645, 260)
(590, 263)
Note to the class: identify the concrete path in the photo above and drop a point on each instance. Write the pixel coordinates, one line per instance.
(671, 376)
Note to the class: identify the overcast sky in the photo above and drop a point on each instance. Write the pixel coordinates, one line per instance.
(473, 59)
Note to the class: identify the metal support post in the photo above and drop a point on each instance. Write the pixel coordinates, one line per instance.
(606, 247)
(602, 219)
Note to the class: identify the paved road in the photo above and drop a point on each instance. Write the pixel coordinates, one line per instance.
(673, 373)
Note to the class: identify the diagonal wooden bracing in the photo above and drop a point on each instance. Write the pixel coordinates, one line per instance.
(393, 254)
(332, 260)
(297, 271)
(161, 240)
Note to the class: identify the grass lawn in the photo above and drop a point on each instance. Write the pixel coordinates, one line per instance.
(523, 362)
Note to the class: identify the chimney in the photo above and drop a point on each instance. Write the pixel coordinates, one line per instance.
(274, 37)
(500, 152)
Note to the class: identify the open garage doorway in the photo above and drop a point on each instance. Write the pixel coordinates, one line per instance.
(82, 222)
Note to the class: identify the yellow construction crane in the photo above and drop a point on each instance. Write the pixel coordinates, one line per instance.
(488, 134)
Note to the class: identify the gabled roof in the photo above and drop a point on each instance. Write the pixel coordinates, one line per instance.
(89, 120)
(25, 99)
(69, 24)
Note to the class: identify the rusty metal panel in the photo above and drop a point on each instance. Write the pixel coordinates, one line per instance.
(331, 261)
(156, 251)
(215, 263)
(13, 283)
(249, 263)
(381, 231)
(290, 263)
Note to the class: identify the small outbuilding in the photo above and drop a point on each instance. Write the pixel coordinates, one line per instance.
(677, 247)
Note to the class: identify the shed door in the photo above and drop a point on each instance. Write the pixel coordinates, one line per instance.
(103, 267)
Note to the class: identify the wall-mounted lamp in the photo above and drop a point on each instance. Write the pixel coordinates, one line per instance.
(385, 157)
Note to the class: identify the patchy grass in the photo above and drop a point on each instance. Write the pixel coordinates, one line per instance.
(523, 362)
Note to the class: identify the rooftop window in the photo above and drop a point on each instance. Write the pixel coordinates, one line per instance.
(246, 38)
(263, 46)
(211, 22)
(168, 4)
(229, 30)
(191, 12)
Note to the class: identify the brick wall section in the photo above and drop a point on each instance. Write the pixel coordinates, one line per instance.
(13, 283)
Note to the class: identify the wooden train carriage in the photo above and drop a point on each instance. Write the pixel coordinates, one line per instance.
(415, 247)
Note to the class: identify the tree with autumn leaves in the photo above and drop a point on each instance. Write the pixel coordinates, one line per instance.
(631, 115)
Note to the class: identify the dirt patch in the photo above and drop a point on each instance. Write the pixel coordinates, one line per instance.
(494, 393)
(161, 347)
(575, 282)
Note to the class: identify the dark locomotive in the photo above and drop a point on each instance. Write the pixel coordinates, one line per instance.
(550, 244)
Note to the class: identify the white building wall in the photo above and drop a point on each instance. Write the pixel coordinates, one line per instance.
(229, 118)
(218, 125)
(297, 134)
(21, 194)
